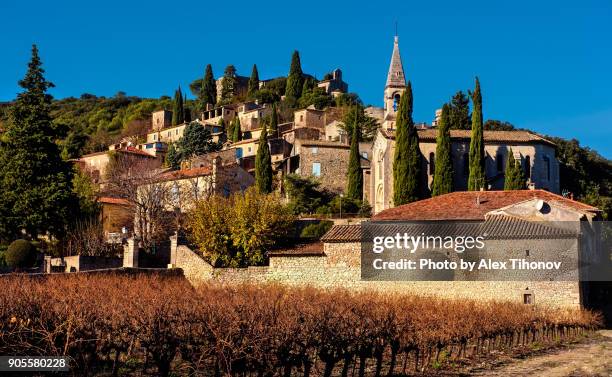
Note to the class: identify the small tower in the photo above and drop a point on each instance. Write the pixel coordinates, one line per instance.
(395, 87)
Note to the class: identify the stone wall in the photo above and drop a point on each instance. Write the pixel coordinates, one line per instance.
(339, 267)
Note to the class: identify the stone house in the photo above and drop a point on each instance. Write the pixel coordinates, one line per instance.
(326, 161)
(116, 217)
(333, 83)
(161, 119)
(96, 163)
(536, 155)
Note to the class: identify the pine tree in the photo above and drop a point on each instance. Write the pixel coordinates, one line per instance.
(407, 159)
(208, 90)
(354, 189)
(443, 169)
(274, 121)
(196, 140)
(263, 165)
(295, 79)
(459, 112)
(228, 84)
(514, 178)
(35, 183)
(178, 111)
(477, 178)
(253, 82)
(237, 131)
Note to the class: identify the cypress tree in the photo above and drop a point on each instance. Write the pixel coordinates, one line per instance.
(443, 170)
(35, 183)
(237, 132)
(173, 158)
(186, 110)
(253, 82)
(354, 189)
(295, 79)
(477, 178)
(208, 90)
(263, 164)
(514, 178)
(407, 159)
(178, 110)
(274, 121)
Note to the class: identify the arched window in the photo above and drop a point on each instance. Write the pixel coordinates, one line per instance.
(396, 99)
(527, 167)
(432, 163)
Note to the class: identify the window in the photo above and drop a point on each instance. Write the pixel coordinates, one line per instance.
(526, 253)
(316, 169)
(396, 100)
(154, 137)
(432, 163)
(301, 118)
(527, 167)
(527, 298)
(314, 150)
(364, 155)
(149, 146)
(500, 162)
(547, 167)
(169, 133)
(238, 152)
(177, 131)
(249, 149)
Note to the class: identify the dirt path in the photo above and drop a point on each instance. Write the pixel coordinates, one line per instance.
(591, 359)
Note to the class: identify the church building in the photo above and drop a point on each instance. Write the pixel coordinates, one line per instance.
(535, 153)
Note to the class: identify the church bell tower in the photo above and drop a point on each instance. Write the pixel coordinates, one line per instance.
(395, 87)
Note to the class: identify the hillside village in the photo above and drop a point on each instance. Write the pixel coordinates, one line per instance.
(308, 168)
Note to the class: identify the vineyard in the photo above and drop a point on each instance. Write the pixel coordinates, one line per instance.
(156, 325)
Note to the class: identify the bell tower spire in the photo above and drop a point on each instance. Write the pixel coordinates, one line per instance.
(396, 83)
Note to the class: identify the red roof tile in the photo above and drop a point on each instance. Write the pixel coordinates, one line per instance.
(308, 249)
(110, 200)
(472, 205)
(343, 233)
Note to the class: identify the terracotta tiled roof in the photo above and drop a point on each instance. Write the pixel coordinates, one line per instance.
(343, 233)
(134, 151)
(430, 134)
(323, 143)
(110, 200)
(308, 249)
(494, 227)
(472, 205)
(187, 173)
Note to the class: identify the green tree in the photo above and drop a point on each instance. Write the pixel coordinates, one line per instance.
(263, 165)
(514, 179)
(74, 144)
(274, 121)
(407, 159)
(459, 112)
(236, 130)
(295, 80)
(356, 117)
(354, 188)
(35, 183)
(305, 194)
(253, 82)
(86, 192)
(498, 125)
(178, 111)
(477, 178)
(173, 158)
(197, 140)
(228, 84)
(208, 90)
(443, 167)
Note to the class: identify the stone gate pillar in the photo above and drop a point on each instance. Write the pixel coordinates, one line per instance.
(130, 253)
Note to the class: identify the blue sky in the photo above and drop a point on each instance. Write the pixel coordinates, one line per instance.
(543, 65)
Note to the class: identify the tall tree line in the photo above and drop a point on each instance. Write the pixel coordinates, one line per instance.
(407, 158)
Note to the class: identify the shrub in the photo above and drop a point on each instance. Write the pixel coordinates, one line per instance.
(316, 231)
(237, 231)
(20, 254)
